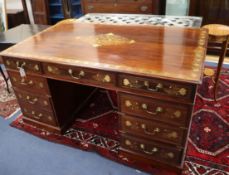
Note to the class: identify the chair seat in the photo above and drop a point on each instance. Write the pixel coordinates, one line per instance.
(217, 32)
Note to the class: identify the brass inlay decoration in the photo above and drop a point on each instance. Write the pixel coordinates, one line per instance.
(128, 123)
(177, 114)
(170, 155)
(8, 62)
(107, 79)
(108, 39)
(183, 91)
(41, 85)
(36, 67)
(126, 82)
(127, 142)
(45, 103)
(49, 118)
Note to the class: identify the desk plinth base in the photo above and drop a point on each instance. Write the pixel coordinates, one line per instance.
(172, 170)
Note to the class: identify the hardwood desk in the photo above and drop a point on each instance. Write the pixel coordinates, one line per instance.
(154, 70)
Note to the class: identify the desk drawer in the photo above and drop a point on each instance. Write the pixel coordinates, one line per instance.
(134, 8)
(38, 115)
(152, 130)
(156, 86)
(177, 114)
(95, 77)
(30, 83)
(28, 66)
(152, 150)
(34, 100)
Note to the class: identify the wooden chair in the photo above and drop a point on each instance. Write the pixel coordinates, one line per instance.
(218, 34)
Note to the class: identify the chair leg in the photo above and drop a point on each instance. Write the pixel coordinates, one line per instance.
(221, 59)
(5, 79)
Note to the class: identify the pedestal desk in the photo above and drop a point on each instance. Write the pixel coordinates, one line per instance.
(155, 71)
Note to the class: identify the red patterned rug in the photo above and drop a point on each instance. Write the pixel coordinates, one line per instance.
(8, 102)
(207, 154)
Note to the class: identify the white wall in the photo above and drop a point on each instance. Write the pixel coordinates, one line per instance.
(14, 4)
(177, 7)
(17, 4)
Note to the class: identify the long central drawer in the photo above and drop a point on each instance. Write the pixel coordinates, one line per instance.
(79, 74)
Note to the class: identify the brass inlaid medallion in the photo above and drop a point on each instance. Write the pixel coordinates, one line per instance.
(108, 39)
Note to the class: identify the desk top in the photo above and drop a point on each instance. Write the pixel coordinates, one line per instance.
(172, 53)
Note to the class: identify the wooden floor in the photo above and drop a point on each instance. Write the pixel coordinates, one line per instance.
(214, 58)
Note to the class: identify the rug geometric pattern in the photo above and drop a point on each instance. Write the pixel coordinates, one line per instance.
(8, 102)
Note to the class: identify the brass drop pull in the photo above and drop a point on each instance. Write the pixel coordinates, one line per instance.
(33, 101)
(152, 151)
(144, 8)
(157, 110)
(26, 83)
(20, 66)
(127, 82)
(37, 117)
(158, 87)
(153, 132)
(90, 7)
(79, 76)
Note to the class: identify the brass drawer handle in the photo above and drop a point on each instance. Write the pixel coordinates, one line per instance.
(20, 66)
(101, 77)
(80, 75)
(157, 110)
(90, 7)
(26, 84)
(158, 87)
(152, 151)
(127, 82)
(37, 117)
(156, 130)
(33, 101)
(144, 8)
